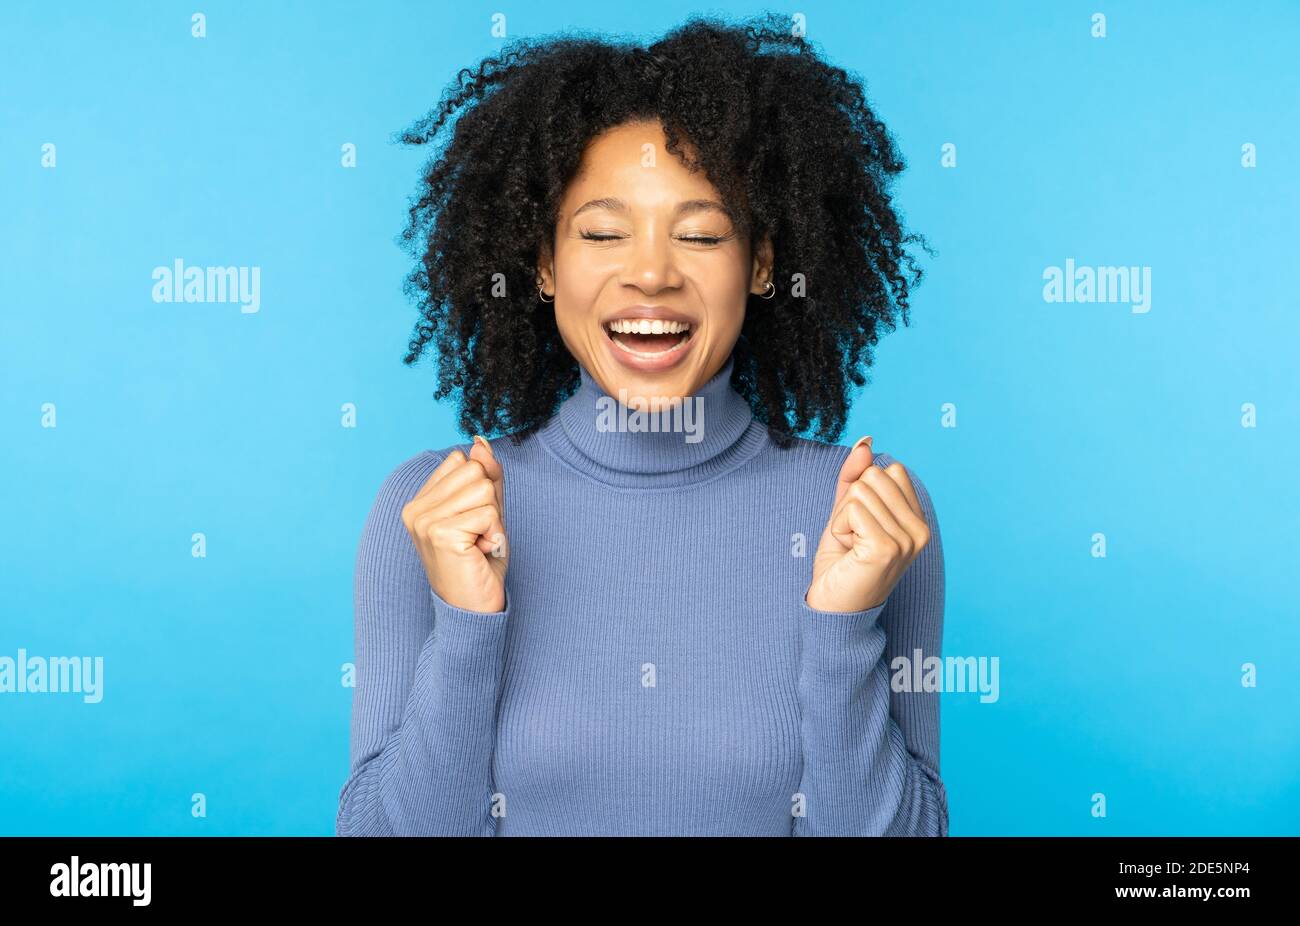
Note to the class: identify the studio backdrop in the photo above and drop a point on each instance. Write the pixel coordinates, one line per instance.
(1097, 386)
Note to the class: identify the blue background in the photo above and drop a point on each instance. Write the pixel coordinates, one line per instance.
(223, 675)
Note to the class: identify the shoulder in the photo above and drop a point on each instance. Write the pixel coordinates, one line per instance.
(403, 481)
(816, 463)
(819, 458)
(384, 527)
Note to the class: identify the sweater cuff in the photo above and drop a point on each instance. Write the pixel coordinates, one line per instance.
(837, 627)
(474, 638)
(441, 607)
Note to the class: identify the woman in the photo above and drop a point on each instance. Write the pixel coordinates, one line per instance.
(651, 607)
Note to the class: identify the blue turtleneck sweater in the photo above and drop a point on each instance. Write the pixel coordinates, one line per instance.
(656, 670)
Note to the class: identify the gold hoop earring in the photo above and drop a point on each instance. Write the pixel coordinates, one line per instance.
(769, 295)
(542, 296)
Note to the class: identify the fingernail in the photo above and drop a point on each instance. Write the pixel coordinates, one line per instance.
(861, 441)
(480, 439)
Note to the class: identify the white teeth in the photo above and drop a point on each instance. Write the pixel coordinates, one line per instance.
(647, 326)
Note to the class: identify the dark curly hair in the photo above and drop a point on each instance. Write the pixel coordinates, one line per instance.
(788, 140)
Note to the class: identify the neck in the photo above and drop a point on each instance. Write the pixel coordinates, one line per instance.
(708, 433)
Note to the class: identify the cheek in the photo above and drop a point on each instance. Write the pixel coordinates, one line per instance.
(572, 301)
(581, 279)
(725, 292)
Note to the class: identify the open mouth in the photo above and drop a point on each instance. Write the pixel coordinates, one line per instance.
(647, 338)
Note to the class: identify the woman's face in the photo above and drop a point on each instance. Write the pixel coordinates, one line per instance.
(650, 275)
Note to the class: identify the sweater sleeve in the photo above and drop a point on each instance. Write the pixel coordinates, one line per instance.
(427, 680)
(871, 754)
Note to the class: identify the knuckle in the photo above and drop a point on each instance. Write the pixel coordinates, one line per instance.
(882, 551)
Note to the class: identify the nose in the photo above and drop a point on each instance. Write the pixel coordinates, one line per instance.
(651, 265)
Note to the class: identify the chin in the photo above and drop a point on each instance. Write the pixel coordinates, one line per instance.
(671, 384)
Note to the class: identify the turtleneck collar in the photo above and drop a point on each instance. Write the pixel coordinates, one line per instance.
(715, 431)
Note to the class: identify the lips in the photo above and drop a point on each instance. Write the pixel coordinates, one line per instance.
(649, 337)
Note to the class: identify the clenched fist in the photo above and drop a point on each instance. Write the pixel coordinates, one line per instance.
(457, 522)
(876, 529)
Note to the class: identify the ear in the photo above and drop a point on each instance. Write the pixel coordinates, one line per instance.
(762, 265)
(546, 269)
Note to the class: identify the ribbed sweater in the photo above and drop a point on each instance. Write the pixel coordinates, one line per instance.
(656, 669)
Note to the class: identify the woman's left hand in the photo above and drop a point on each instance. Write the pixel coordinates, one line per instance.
(876, 529)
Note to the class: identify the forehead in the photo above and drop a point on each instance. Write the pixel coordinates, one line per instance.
(629, 163)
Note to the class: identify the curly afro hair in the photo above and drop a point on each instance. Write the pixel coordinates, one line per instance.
(789, 142)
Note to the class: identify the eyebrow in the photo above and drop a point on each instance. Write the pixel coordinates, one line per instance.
(687, 207)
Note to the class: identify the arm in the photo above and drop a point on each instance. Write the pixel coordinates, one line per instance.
(871, 755)
(424, 709)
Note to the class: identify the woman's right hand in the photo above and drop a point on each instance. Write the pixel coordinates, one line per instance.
(457, 522)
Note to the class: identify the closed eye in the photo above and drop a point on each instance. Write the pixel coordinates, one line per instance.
(708, 240)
